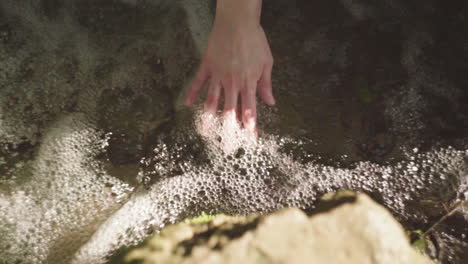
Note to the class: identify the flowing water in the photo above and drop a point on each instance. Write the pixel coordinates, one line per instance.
(96, 151)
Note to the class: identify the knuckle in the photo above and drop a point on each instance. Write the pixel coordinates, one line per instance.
(252, 75)
(228, 78)
(199, 77)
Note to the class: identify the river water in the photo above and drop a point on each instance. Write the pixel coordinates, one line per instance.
(97, 151)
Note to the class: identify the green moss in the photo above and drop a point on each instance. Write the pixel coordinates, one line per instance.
(203, 218)
(418, 241)
(364, 95)
(363, 91)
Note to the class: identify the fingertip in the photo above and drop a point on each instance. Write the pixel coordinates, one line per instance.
(270, 100)
(267, 96)
(250, 126)
(249, 120)
(229, 114)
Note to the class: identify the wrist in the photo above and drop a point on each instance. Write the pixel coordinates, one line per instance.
(239, 11)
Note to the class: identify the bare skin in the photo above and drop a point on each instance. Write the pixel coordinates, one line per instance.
(237, 63)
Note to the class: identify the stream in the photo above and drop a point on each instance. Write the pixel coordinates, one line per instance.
(97, 150)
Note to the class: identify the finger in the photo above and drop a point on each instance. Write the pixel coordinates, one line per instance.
(231, 93)
(264, 86)
(249, 106)
(197, 84)
(212, 98)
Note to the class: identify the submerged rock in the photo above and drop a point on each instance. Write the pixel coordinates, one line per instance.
(347, 228)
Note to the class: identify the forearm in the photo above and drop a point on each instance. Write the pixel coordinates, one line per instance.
(245, 11)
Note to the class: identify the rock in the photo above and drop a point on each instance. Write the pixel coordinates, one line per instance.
(355, 230)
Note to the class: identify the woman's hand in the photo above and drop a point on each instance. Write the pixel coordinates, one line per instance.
(237, 63)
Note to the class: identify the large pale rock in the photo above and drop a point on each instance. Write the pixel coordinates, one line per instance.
(354, 229)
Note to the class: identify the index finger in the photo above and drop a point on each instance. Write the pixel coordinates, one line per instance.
(197, 83)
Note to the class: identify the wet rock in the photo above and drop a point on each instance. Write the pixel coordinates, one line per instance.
(347, 228)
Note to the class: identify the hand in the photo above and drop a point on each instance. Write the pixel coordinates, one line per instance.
(237, 62)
